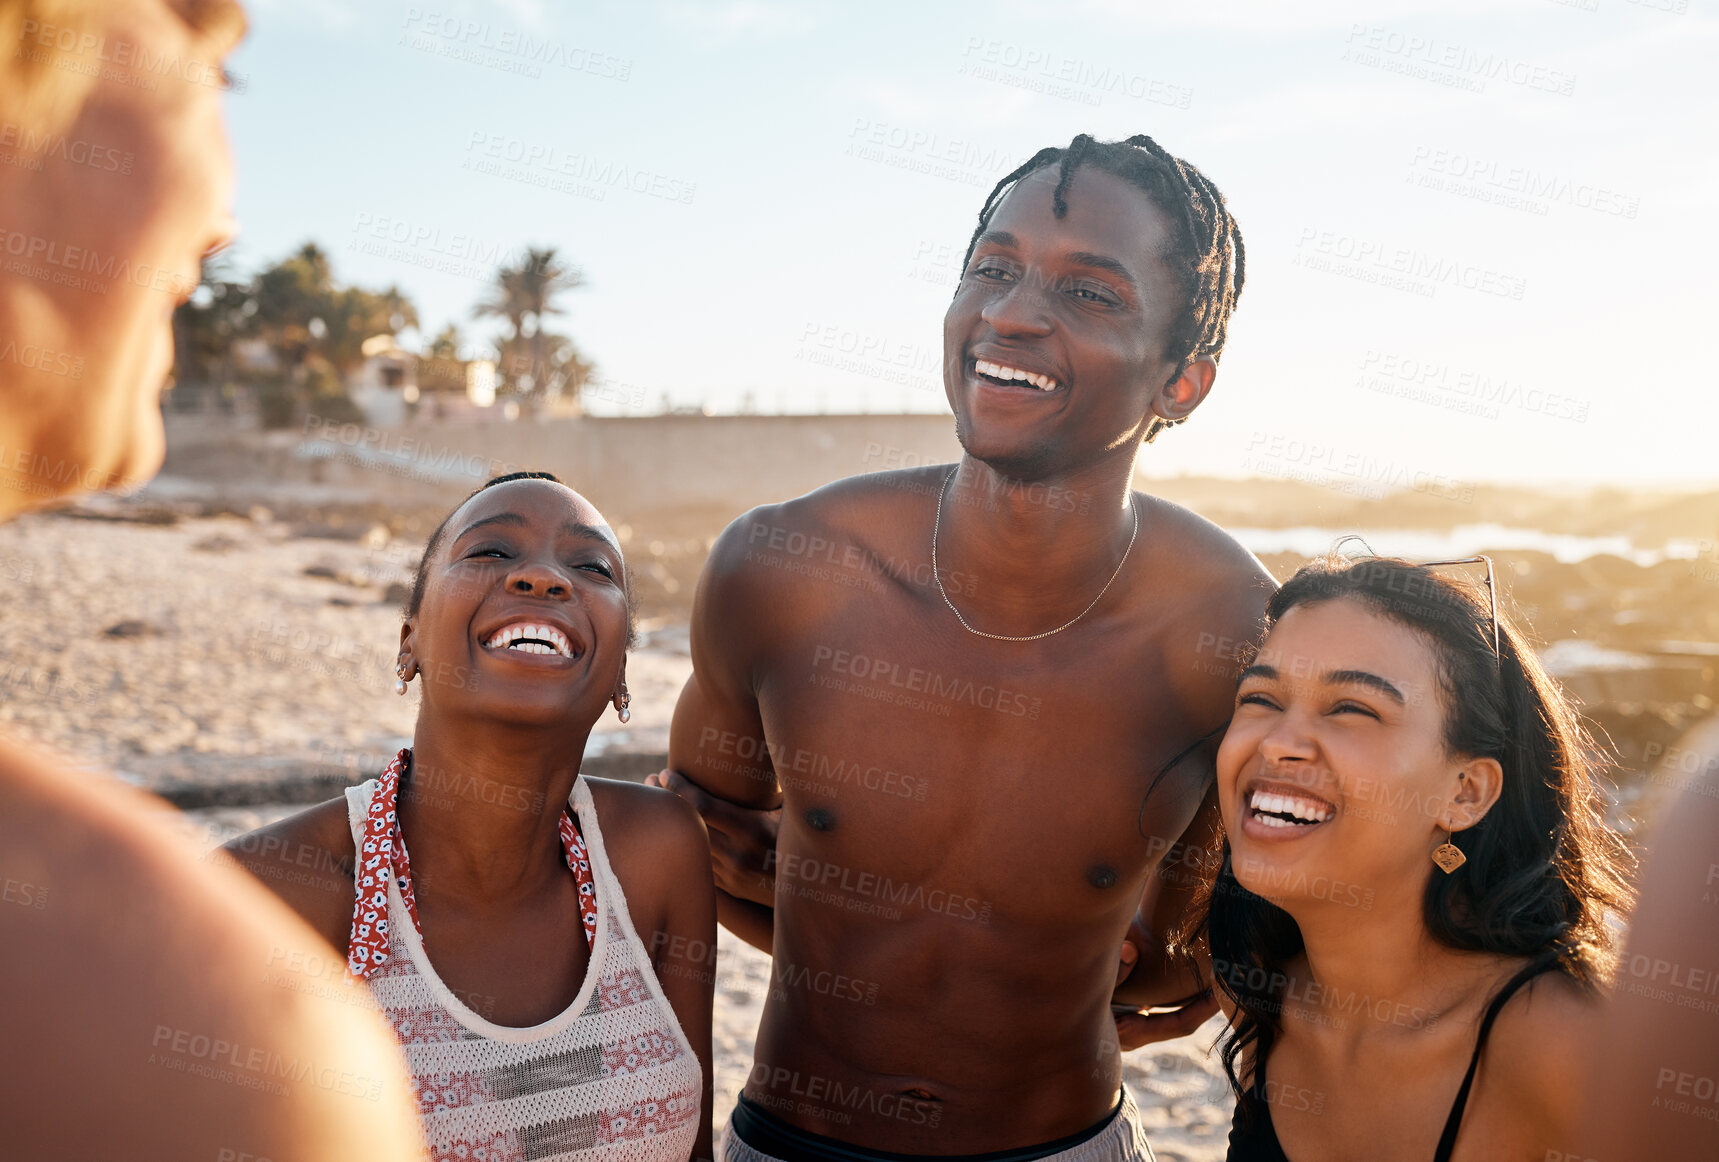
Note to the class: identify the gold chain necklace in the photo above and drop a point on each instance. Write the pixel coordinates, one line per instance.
(937, 524)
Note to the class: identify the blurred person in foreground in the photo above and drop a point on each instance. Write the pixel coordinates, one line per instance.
(985, 696)
(1411, 927)
(550, 978)
(152, 1006)
(1653, 1085)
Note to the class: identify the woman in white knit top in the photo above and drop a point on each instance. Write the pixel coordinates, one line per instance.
(548, 976)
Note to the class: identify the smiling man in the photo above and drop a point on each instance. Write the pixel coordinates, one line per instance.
(985, 761)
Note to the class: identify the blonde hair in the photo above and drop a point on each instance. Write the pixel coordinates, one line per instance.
(32, 90)
(38, 92)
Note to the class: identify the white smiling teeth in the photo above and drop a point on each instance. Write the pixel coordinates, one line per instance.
(1269, 807)
(999, 371)
(530, 638)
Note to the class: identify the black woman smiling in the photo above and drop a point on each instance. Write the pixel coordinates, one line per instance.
(548, 975)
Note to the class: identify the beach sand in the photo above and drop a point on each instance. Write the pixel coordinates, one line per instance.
(225, 649)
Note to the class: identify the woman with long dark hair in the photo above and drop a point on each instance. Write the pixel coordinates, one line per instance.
(542, 942)
(1409, 924)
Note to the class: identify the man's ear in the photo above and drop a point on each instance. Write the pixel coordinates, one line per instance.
(1177, 399)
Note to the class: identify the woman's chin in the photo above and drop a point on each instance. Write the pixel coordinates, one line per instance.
(528, 710)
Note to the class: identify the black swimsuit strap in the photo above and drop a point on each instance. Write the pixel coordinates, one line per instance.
(1447, 1140)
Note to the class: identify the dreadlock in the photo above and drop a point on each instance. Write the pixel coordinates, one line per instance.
(1207, 257)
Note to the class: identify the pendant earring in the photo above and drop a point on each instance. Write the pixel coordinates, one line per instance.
(1448, 856)
(400, 679)
(621, 709)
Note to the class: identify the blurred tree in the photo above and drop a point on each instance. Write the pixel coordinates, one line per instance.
(313, 329)
(204, 331)
(446, 344)
(532, 360)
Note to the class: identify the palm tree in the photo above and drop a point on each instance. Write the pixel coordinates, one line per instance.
(525, 295)
(541, 280)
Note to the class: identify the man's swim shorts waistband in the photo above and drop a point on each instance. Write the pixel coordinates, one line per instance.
(757, 1135)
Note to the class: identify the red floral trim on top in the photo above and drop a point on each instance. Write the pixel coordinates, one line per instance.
(382, 853)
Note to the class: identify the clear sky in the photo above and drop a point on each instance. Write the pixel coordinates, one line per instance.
(1480, 236)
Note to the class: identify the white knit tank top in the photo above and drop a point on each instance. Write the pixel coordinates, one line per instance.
(613, 1077)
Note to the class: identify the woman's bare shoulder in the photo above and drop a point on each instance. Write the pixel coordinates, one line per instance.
(648, 819)
(307, 860)
(655, 841)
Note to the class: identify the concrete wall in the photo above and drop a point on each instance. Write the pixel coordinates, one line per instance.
(649, 464)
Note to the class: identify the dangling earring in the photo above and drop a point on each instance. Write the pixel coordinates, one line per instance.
(400, 679)
(1448, 856)
(621, 707)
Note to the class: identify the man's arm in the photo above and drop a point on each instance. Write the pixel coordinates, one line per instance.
(718, 758)
(1223, 623)
(741, 842)
(1155, 972)
(1161, 973)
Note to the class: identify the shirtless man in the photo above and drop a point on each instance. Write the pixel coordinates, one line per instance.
(152, 1006)
(984, 697)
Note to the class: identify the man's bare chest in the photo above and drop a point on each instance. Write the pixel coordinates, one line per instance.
(914, 755)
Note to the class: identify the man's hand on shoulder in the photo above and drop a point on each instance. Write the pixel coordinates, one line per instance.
(742, 839)
(1136, 1026)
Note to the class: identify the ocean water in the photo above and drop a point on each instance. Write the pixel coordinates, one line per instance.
(1463, 541)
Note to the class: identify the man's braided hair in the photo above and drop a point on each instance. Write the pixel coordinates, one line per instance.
(1206, 255)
